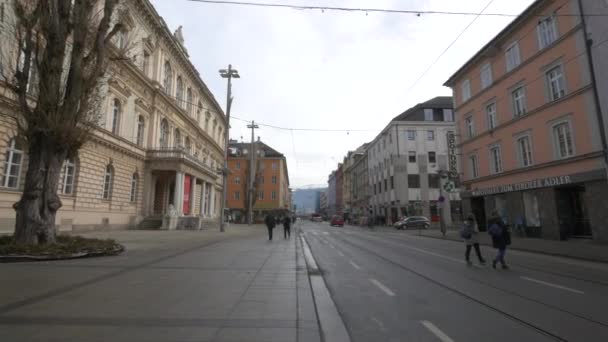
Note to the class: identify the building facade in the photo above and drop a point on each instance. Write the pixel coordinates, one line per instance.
(271, 193)
(331, 194)
(404, 163)
(323, 203)
(531, 143)
(157, 147)
(360, 194)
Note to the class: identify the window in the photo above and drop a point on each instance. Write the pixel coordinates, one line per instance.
(122, 39)
(466, 90)
(238, 165)
(261, 195)
(413, 181)
(177, 139)
(146, 63)
(107, 182)
(448, 115)
(390, 138)
(411, 135)
(486, 75)
(491, 116)
(432, 157)
(524, 150)
(188, 145)
(469, 126)
(141, 125)
(274, 166)
(116, 111)
(518, 97)
(495, 160)
(134, 185)
(512, 56)
(67, 181)
(563, 140)
(273, 195)
(385, 185)
(207, 118)
(392, 182)
(474, 164)
(168, 80)
(179, 92)
(274, 179)
(199, 109)
(189, 100)
(412, 156)
(430, 135)
(434, 181)
(164, 134)
(237, 180)
(556, 83)
(237, 195)
(428, 114)
(547, 32)
(12, 165)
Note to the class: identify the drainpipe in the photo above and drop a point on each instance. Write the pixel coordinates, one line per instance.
(596, 96)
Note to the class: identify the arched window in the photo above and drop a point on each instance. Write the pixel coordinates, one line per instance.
(116, 112)
(168, 81)
(179, 92)
(214, 132)
(199, 109)
(164, 134)
(177, 139)
(189, 100)
(188, 145)
(12, 165)
(141, 126)
(68, 177)
(207, 118)
(134, 187)
(108, 178)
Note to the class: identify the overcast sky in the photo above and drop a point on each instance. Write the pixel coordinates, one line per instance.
(328, 70)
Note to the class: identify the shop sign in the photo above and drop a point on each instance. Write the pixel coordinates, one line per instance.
(534, 184)
(452, 158)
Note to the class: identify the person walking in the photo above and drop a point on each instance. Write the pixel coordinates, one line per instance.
(501, 238)
(470, 235)
(287, 227)
(270, 224)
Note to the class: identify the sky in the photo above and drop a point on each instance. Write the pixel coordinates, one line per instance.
(312, 69)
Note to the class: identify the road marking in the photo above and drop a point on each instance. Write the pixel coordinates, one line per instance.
(552, 285)
(380, 324)
(436, 331)
(355, 265)
(382, 287)
(325, 233)
(332, 246)
(341, 254)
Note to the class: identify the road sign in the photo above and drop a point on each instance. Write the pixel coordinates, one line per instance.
(441, 199)
(449, 186)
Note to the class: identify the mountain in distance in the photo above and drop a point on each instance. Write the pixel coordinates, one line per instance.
(311, 186)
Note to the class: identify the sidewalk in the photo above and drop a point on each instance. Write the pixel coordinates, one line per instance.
(574, 248)
(168, 286)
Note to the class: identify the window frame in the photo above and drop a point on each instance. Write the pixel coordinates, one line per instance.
(68, 164)
(411, 135)
(469, 125)
(141, 130)
(541, 30)
(486, 75)
(411, 158)
(524, 159)
(12, 150)
(450, 115)
(108, 180)
(491, 116)
(496, 166)
(428, 114)
(434, 154)
(134, 188)
(515, 54)
(168, 78)
(555, 140)
(465, 90)
(116, 114)
(559, 80)
(515, 100)
(430, 135)
(261, 195)
(474, 166)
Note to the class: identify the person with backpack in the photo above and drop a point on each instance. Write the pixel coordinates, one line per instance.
(470, 235)
(270, 223)
(501, 238)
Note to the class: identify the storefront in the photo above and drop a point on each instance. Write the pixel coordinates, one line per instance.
(562, 207)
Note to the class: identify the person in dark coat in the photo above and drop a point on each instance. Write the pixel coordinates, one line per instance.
(501, 238)
(270, 224)
(287, 227)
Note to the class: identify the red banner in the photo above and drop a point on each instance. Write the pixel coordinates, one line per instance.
(187, 180)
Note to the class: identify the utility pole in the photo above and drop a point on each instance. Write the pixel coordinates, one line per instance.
(229, 74)
(252, 170)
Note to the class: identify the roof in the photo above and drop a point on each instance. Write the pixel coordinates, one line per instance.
(268, 152)
(437, 102)
(496, 40)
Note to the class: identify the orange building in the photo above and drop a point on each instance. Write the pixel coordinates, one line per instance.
(270, 186)
(528, 122)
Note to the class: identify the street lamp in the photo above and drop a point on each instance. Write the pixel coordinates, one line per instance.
(229, 74)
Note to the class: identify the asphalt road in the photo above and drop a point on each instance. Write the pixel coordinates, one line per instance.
(396, 286)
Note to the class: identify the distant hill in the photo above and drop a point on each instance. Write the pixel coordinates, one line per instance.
(307, 200)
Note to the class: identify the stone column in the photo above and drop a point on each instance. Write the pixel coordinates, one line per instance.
(211, 201)
(178, 196)
(202, 208)
(192, 196)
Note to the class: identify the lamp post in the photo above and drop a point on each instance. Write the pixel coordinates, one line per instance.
(229, 74)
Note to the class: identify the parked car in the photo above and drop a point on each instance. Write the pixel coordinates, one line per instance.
(417, 222)
(337, 221)
(400, 221)
(316, 218)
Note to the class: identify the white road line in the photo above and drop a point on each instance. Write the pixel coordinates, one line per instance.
(332, 246)
(341, 254)
(552, 285)
(380, 324)
(355, 265)
(325, 233)
(382, 287)
(436, 331)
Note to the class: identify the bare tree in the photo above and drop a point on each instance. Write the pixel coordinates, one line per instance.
(61, 60)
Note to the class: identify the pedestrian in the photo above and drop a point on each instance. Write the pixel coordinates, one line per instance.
(501, 238)
(270, 223)
(287, 227)
(470, 235)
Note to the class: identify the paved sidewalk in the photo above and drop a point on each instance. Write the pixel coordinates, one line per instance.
(167, 286)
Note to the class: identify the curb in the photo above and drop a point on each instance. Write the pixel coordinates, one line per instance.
(34, 258)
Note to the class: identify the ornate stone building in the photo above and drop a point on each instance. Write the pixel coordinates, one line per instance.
(159, 143)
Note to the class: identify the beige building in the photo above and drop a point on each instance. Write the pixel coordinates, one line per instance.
(159, 143)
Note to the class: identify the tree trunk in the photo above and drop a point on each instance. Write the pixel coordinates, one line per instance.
(36, 211)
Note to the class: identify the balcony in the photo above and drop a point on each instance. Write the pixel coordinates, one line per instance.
(179, 156)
